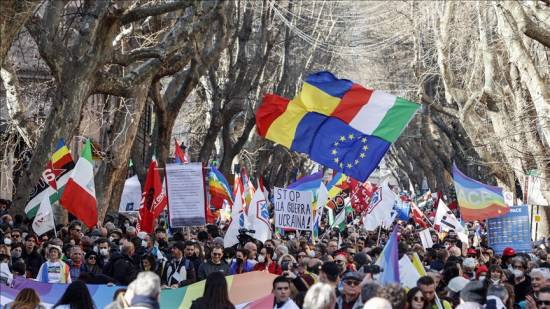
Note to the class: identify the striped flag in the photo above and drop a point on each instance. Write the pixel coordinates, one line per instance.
(53, 180)
(389, 260)
(79, 194)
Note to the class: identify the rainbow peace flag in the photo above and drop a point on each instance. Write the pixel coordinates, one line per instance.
(338, 123)
(246, 290)
(334, 186)
(307, 183)
(219, 188)
(477, 201)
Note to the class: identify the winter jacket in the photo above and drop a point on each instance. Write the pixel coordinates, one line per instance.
(33, 262)
(209, 267)
(122, 268)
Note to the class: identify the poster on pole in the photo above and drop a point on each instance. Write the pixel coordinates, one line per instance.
(186, 194)
(131, 196)
(511, 230)
(293, 209)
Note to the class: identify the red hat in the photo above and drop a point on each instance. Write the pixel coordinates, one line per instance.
(471, 251)
(481, 269)
(508, 252)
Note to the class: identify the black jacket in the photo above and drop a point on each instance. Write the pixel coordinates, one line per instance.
(33, 261)
(201, 303)
(122, 268)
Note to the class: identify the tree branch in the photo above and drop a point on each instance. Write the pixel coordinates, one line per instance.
(526, 25)
(138, 54)
(154, 10)
(109, 83)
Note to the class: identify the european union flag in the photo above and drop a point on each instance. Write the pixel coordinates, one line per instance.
(335, 144)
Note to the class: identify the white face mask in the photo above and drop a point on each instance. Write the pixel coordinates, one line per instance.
(312, 253)
(111, 238)
(481, 278)
(104, 251)
(517, 273)
(7, 241)
(261, 258)
(275, 257)
(126, 224)
(144, 243)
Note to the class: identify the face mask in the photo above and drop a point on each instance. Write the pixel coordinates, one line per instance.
(104, 251)
(16, 254)
(144, 243)
(261, 258)
(311, 254)
(481, 278)
(111, 238)
(7, 241)
(517, 273)
(239, 261)
(126, 224)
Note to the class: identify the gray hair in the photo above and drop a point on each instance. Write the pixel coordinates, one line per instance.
(130, 229)
(369, 291)
(499, 291)
(282, 249)
(377, 303)
(147, 283)
(320, 295)
(544, 272)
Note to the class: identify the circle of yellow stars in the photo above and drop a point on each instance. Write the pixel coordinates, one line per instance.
(345, 138)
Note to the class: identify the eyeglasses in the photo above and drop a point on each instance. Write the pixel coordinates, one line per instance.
(216, 254)
(91, 258)
(418, 299)
(351, 282)
(543, 302)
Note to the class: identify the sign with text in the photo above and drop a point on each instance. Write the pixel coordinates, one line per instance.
(293, 209)
(186, 194)
(511, 230)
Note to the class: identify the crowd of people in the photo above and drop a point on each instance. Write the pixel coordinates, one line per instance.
(337, 270)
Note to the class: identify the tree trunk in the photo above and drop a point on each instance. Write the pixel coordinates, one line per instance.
(13, 15)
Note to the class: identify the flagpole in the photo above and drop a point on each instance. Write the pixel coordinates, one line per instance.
(379, 232)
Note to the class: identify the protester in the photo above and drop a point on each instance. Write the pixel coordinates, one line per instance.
(121, 266)
(415, 299)
(90, 263)
(320, 296)
(266, 263)
(427, 286)
(76, 296)
(54, 270)
(30, 255)
(27, 298)
(281, 289)
(215, 263)
(241, 264)
(76, 266)
(215, 293)
(351, 292)
(181, 271)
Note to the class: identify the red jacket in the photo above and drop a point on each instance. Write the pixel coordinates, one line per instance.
(273, 268)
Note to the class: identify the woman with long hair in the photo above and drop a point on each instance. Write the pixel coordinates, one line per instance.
(76, 296)
(415, 299)
(215, 294)
(27, 298)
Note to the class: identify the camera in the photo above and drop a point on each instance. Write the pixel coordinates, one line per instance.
(243, 236)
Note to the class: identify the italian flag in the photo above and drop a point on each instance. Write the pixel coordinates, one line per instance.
(79, 194)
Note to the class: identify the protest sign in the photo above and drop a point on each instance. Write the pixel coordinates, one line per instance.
(131, 196)
(186, 194)
(293, 209)
(402, 208)
(511, 230)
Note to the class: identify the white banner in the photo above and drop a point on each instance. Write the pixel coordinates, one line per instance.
(426, 238)
(131, 196)
(534, 193)
(293, 209)
(186, 194)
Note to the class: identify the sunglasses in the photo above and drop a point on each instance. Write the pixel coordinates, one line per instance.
(92, 258)
(418, 299)
(216, 254)
(543, 302)
(351, 282)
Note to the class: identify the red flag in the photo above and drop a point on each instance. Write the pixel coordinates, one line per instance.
(153, 200)
(180, 154)
(417, 215)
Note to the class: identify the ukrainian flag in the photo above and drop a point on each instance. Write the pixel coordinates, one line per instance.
(336, 122)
